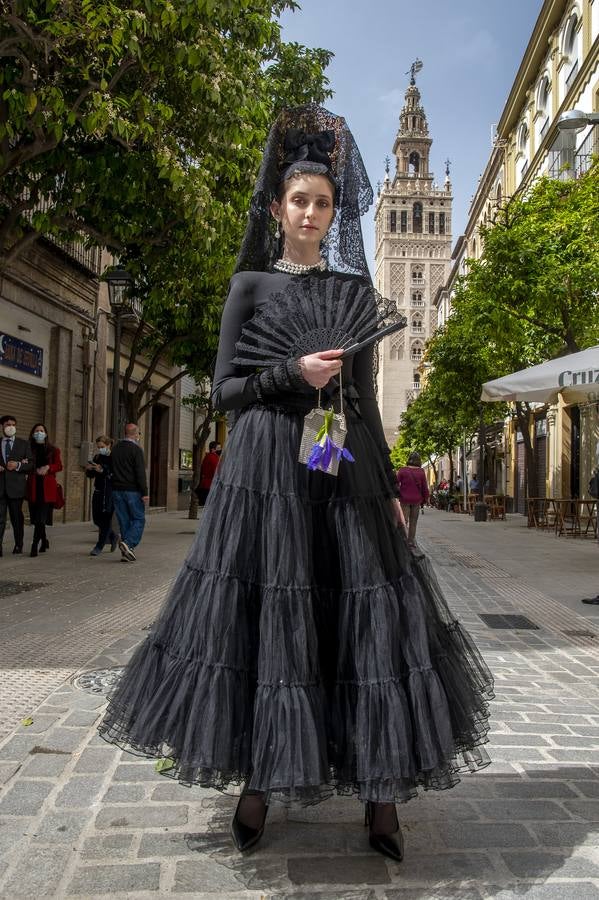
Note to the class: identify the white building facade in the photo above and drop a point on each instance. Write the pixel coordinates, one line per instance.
(412, 257)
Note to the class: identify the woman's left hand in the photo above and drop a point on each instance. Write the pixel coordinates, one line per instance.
(398, 513)
(43, 470)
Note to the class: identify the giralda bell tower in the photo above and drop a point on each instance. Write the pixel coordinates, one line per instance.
(412, 255)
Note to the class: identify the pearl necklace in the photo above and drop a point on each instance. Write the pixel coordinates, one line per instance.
(291, 268)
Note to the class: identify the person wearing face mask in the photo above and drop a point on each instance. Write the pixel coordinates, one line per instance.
(15, 463)
(43, 491)
(100, 469)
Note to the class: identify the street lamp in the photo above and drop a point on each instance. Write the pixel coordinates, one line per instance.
(119, 285)
(576, 120)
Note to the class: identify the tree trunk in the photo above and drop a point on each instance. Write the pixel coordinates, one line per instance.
(199, 442)
(451, 468)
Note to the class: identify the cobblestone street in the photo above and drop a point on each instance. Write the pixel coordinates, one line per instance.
(80, 819)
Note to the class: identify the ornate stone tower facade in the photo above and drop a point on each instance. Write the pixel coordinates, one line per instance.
(412, 256)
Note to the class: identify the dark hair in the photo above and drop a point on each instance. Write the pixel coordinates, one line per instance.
(414, 459)
(212, 445)
(34, 443)
(6, 419)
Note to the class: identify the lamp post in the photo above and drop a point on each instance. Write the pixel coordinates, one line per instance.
(576, 120)
(480, 507)
(119, 284)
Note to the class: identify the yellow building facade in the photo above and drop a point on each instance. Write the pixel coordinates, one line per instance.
(559, 72)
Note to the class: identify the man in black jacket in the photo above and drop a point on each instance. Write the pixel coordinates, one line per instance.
(129, 491)
(15, 463)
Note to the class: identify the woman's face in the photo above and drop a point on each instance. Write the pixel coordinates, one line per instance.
(306, 210)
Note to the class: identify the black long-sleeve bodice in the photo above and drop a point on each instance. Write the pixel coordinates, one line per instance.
(235, 387)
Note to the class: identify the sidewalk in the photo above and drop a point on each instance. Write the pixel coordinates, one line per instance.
(80, 819)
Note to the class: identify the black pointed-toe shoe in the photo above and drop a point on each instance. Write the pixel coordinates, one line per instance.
(390, 845)
(244, 836)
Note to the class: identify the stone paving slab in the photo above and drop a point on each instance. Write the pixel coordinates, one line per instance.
(82, 819)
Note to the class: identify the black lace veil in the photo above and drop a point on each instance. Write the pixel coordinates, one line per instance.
(321, 143)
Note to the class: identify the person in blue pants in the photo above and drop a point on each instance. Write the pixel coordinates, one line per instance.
(129, 491)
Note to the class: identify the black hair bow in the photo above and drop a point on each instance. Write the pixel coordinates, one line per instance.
(308, 147)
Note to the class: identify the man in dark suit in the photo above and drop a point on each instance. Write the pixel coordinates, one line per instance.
(15, 463)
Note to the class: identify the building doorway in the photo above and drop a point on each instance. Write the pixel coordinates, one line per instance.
(159, 455)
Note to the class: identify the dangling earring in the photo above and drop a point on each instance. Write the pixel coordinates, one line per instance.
(278, 231)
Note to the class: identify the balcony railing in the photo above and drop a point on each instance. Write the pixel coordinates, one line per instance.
(569, 163)
(586, 152)
(417, 329)
(88, 257)
(417, 302)
(416, 357)
(416, 385)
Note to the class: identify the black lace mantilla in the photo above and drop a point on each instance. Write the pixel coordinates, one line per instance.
(343, 247)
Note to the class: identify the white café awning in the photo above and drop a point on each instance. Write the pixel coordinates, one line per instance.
(575, 377)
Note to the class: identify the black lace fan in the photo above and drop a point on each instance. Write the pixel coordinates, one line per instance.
(315, 314)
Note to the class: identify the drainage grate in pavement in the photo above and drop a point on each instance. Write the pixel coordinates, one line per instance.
(98, 681)
(506, 620)
(10, 588)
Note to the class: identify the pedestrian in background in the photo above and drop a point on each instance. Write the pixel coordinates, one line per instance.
(208, 471)
(413, 492)
(43, 491)
(15, 463)
(474, 484)
(129, 491)
(100, 469)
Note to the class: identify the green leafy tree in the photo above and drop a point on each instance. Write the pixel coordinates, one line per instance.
(531, 296)
(138, 126)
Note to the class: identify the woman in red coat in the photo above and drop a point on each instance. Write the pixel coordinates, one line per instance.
(43, 491)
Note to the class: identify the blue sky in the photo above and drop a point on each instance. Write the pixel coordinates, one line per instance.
(471, 50)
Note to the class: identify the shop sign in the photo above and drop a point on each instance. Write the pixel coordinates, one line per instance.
(17, 354)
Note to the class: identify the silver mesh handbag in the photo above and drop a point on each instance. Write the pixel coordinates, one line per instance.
(323, 438)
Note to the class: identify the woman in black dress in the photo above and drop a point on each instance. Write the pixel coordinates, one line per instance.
(302, 649)
(100, 469)
(44, 494)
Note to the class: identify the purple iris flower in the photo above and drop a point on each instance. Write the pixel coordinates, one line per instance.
(322, 453)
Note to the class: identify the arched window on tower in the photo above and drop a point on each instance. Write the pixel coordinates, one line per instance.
(414, 163)
(499, 194)
(417, 218)
(416, 351)
(417, 324)
(417, 274)
(417, 298)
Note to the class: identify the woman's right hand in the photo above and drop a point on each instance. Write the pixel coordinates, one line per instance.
(319, 368)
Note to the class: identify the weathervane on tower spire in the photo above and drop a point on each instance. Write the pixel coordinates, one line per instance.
(447, 165)
(414, 69)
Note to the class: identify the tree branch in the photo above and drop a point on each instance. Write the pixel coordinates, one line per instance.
(18, 247)
(137, 338)
(162, 390)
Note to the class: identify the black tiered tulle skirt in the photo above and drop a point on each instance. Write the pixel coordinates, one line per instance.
(302, 649)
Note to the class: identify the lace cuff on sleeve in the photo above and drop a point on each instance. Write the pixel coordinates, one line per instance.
(284, 378)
